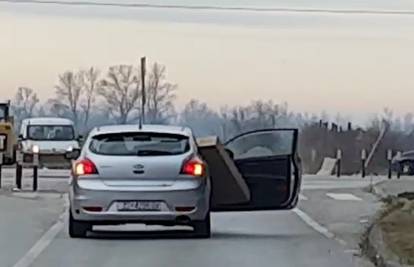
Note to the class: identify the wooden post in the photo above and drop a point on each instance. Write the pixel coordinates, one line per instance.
(389, 158)
(35, 170)
(399, 165)
(19, 169)
(363, 159)
(338, 163)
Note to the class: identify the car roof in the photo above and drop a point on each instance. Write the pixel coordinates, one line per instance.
(170, 129)
(47, 121)
(409, 152)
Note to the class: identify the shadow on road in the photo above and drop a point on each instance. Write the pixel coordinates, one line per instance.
(144, 235)
(182, 234)
(259, 236)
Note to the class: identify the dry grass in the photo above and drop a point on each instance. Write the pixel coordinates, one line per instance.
(398, 230)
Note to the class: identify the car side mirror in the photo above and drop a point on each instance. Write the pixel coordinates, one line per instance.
(72, 154)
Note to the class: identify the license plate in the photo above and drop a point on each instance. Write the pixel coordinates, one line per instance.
(138, 206)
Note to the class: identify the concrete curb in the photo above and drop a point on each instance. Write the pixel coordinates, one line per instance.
(376, 190)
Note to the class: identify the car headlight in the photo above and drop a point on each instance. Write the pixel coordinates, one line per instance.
(35, 149)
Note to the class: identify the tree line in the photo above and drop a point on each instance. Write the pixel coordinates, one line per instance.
(91, 97)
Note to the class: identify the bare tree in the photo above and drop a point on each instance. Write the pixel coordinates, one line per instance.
(24, 103)
(121, 91)
(68, 93)
(57, 108)
(408, 122)
(239, 117)
(160, 95)
(265, 113)
(89, 84)
(200, 118)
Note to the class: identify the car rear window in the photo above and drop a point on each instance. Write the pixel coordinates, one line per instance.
(51, 132)
(139, 144)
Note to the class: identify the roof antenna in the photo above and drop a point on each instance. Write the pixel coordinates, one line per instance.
(143, 96)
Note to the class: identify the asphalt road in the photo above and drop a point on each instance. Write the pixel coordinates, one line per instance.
(259, 239)
(302, 237)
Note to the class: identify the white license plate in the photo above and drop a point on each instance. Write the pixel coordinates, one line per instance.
(138, 205)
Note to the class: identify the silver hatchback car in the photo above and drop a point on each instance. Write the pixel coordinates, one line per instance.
(151, 175)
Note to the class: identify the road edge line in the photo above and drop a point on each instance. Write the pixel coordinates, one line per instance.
(317, 227)
(28, 259)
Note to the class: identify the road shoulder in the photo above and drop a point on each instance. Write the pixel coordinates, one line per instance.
(389, 239)
(26, 216)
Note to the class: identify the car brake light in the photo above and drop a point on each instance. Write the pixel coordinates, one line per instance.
(193, 166)
(85, 167)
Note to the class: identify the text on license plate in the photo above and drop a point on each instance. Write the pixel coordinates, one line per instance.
(138, 205)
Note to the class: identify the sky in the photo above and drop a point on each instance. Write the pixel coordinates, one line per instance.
(349, 63)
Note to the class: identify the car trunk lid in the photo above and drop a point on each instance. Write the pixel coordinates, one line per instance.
(138, 170)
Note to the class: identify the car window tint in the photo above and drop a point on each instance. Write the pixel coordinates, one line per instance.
(139, 144)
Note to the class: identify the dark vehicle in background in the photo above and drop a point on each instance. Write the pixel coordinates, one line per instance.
(404, 163)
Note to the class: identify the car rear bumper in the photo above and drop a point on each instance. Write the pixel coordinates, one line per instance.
(198, 197)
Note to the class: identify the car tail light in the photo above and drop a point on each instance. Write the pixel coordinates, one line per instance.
(193, 166)
(85, 167)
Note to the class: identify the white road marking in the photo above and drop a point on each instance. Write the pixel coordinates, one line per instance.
(317, 227)
(28, 259)
(338, 196)
(302, 197)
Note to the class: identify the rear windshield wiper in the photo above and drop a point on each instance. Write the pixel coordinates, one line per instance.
(153, 153)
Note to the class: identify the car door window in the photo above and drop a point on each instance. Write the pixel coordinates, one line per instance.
(262, 144)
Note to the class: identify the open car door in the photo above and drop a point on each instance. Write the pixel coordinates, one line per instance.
(269, 169)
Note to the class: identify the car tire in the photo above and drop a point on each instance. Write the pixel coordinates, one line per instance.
(202, 229)
(78, 229)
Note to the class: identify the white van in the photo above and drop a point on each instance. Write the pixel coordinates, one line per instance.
(51, 138)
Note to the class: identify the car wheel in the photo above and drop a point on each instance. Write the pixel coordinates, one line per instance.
(202, 229)
(78, 229)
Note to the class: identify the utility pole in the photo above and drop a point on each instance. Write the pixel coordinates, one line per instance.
(383, 131)
(143, 93)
